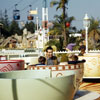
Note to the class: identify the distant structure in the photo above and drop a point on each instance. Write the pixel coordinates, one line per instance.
(29, 40)
(45, 17)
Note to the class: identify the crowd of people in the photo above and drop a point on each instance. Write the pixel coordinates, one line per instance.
(82, 47)
(50, 59)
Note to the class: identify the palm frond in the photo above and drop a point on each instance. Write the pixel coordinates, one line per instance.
(53, 3)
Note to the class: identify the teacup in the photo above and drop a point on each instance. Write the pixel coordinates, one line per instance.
(64, 70)
(92, 65)
(3, 57)
(36, 85)
(9, 65)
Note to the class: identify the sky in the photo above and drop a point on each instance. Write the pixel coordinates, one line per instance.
(76, 8)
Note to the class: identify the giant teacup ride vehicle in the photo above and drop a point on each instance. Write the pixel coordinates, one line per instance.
(56, 71)
(63, 70)
(91, 66)
(36, 85)
(11, 65)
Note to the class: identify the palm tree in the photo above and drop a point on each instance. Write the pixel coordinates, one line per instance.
(61, 4)
(94, 33)
(58, 27)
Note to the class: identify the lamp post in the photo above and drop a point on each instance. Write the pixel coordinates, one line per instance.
(86, 24)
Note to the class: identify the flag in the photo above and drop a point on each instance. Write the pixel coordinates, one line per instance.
(33, 12)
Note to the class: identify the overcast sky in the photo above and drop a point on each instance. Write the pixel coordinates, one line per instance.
(76, 8)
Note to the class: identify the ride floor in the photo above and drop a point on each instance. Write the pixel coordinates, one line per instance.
(89, 90)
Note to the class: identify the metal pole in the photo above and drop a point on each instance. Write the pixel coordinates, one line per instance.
(37, 23)
(86, 39)
(38, 35)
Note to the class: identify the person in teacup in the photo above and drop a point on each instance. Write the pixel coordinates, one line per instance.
(50, 58)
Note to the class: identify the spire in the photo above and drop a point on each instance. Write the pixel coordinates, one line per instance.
(45, 3)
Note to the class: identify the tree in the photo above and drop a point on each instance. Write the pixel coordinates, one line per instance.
(30, 26)
(94, 33)
(14, 28)
(58, 26)
(6, 21)
(61, 4)
(5, 28)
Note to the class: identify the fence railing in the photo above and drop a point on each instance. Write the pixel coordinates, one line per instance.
(22, 53)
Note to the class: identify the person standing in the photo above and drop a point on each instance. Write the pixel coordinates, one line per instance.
(70, 46)
(82, 49)
(82, 46)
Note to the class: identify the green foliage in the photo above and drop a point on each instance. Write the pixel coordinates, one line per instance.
(30, 26)
(5, 32)
(14, 28)
(9, 29)
(94, 24)
(94, 34)
(98, 46)
(5, 28)
(57, 43)
(63, 57)
(62, 4)
(58, 27)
